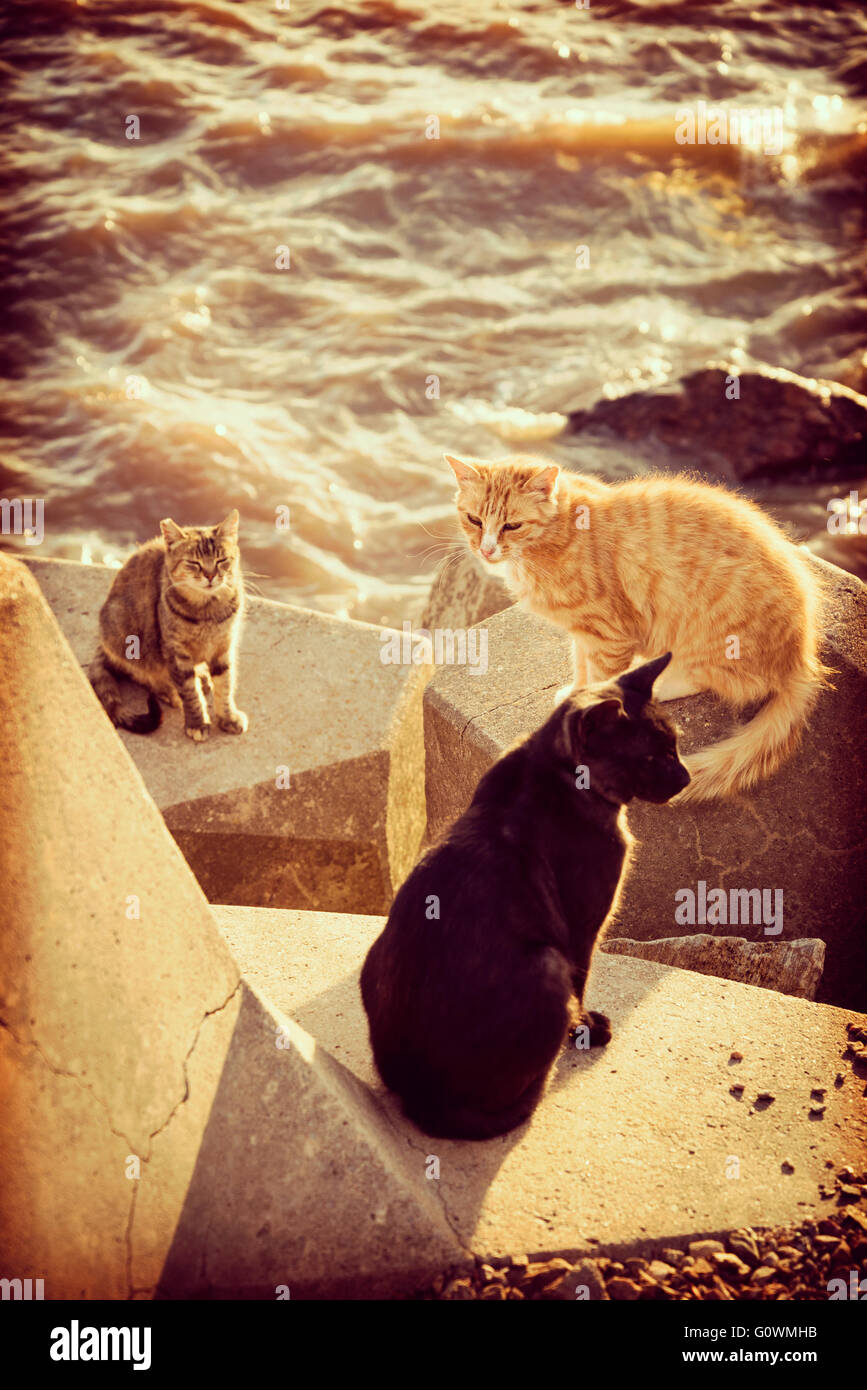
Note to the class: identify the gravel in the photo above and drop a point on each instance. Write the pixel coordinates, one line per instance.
(793, 1263)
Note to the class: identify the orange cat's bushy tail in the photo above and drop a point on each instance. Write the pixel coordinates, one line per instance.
(759, 748)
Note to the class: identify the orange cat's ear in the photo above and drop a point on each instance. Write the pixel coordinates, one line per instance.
(464, 472)
(170, 532)
(228, 529)
(545, 481)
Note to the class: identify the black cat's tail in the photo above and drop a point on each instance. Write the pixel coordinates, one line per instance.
(103, 677)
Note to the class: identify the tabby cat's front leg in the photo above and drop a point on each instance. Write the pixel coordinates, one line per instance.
(229, 717)
(196, 723)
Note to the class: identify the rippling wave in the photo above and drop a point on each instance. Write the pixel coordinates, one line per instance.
(430, 173)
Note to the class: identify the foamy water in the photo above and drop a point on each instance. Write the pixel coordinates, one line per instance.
(167, 358)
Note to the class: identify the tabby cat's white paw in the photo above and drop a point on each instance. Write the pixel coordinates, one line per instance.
(198, 735)
(234, 723)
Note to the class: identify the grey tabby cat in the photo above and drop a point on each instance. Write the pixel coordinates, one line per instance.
(182, 596)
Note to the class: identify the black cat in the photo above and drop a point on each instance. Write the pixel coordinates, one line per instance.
(470, 989)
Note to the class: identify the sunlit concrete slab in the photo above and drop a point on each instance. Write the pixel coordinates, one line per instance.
(321, 803)
(636, 1145)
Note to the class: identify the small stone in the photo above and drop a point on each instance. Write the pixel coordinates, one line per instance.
(518, 1261)
(493, 1293)
(635, 1266)
(787, 1166)
(673, 1257)
(697, 1248)
(849, 1193)
(736, 1057)
(846, 1175)
(817, 1111)
(745, 1250)
(539, 1276)
(488, 1273)
(698, 1269)
(625, 1290)
(736, 1091)
(459, 1290)
(765, 1098)
(826, 1243)
(730, 1264)
(818, 1093)
(763, 1275)
(660, 1271)
(838, 1080)
(584, 1275)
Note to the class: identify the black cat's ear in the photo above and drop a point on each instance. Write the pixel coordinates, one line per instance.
(640, 681)
(602, 717)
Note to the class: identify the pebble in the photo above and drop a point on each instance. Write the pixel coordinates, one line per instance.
(787, 1166)
(660, 1271)
(743, 1244)
(730, 1264)
(763, 1275)
(585, 1273)
(625, 1290)
(698, 1248)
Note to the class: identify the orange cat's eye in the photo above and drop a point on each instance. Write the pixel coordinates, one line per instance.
(512, 525)
(474, 519)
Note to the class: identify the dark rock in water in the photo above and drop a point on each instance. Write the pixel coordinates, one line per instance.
(779, 423)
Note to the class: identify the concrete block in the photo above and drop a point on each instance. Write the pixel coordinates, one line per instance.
(151, 1129)
(463, 594)
(792, 967)
(321, 703)
(635, 1146)
(301, 1188)
(799, 832)
(113, 977)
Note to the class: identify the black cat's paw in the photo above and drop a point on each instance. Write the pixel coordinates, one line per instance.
(593, 1030)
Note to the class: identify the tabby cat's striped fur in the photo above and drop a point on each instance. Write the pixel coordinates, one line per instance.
(181, 597)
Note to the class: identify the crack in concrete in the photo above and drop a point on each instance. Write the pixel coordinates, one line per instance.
(72, 1076)
(209, 1013)
(157, 1132)
(86, 1086)
(450, 1219)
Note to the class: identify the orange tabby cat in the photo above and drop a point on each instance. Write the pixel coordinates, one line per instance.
(660, 564)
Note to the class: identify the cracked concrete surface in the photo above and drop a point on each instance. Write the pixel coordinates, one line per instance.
(635, 1146)
(801, 831)
(111, 969)
(151, 1131)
